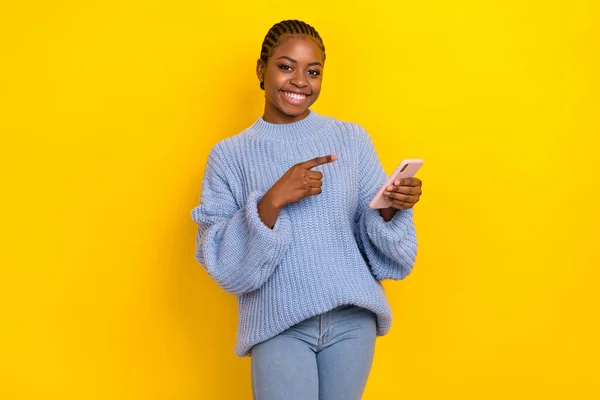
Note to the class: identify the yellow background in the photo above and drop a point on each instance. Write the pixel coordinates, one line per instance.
(107, 115)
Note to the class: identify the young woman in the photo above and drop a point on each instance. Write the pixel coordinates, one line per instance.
(284, 225)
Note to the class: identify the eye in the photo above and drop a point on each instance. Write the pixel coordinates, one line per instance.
(285, 67)
(314, 72)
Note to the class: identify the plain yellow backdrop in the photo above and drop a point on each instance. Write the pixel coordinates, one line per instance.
(107, 115)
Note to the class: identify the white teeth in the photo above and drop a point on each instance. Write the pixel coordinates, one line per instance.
(295, 96)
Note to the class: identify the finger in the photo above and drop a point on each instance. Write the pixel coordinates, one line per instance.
(401, 205)
(314, 183)
(413, 190)
(408, 182)
(402, 197)
(314, 175)
(318, 161)
(314, 191)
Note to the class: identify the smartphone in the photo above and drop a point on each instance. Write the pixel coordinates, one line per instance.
(407, 169)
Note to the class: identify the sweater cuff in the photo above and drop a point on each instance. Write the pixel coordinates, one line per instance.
(399, 223)
(270, 240)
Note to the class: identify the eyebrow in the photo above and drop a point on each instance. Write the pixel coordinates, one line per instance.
(294, 61)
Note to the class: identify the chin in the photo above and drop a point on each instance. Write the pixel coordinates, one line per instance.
(293, 111)
(296, 113)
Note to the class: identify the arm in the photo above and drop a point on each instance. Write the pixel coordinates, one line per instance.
(387, 239)
(233, 244)
(387, 213)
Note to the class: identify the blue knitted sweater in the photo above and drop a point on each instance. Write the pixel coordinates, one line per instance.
(324, 251)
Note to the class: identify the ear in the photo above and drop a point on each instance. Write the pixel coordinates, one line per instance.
(260, 70)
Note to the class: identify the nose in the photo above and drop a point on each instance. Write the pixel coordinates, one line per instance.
(299, 79)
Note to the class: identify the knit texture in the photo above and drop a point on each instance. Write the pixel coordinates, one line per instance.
(324, 251)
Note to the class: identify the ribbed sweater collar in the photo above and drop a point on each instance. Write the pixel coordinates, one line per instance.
(298, 131)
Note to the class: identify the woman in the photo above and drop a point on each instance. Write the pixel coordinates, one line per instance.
(284, 225)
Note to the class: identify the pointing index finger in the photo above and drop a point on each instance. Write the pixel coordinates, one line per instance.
(319, 161)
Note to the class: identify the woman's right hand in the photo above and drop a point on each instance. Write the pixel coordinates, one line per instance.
(297, 183)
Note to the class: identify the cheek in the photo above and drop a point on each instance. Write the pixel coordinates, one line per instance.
(316, 83)
(273, 92)
(316, 87)
(276, 83)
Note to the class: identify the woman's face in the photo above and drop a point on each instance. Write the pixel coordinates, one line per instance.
(292, 79)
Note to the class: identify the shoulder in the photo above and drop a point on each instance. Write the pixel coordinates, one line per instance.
(220, 157)
(227, 148)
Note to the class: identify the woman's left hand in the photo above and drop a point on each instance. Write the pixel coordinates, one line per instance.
(404, 193)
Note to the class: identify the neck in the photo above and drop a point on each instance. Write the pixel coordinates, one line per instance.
(274, 116)
(302, 130)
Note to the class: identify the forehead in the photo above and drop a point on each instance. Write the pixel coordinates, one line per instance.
(299, 47)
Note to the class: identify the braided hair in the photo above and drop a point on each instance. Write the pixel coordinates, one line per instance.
(281, 29)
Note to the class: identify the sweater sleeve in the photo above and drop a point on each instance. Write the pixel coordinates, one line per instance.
(389, 247)
(233, 245)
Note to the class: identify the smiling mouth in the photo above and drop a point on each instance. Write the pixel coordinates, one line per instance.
(294, 98)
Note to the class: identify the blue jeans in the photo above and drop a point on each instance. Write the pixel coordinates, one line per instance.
(326, 357)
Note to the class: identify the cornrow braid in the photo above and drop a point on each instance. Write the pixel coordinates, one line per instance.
(283, 28)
